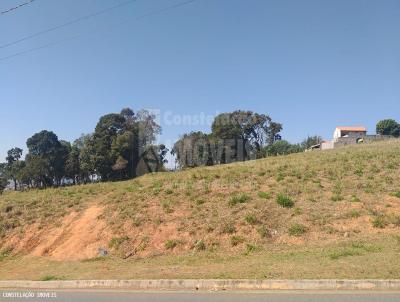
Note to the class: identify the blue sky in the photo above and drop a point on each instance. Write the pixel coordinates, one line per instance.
(310, 64)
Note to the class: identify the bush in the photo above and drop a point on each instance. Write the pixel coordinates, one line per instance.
(250, 219)
(297, 230)
(355, 214)
(337, 197)
(285, 201)
(397, 194)
(199, 245)
(236, 240)
(379, 222)
(240, 198)
(229, 228)
(264, 195)
(264, 232)
(251, 248)
(117, 241)
(170, 244)
(167, 206)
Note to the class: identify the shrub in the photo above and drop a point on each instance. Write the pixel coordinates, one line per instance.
(250, 219)
(240, 198)
(397, 194)
(379, 222)
(170, 244)
(337, 197)
(352, 214)
(4, 254)
(199, 245)
(167, 206)
(251, 248)
(297, 230)
(264, 195)
(236, 240)
(395, 219)
(285, 201)
(264, 232)
(298, 211)
(229, 228)
(200, 201)
(117, 241)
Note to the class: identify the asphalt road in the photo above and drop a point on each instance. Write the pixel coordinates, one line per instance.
(111, 296)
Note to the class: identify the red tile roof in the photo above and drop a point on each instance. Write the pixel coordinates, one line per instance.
(356, 129)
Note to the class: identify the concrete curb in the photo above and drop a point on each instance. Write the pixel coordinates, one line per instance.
(192, 285)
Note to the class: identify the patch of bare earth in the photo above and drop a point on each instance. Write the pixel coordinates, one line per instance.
(77, 237)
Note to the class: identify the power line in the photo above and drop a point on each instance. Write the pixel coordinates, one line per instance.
(80, 19)
(16, 7)
(154, 12)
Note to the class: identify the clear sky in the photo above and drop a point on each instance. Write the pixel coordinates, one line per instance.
(310, 64)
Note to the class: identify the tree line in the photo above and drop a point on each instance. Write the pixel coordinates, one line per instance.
(235, 136)
(122, 146)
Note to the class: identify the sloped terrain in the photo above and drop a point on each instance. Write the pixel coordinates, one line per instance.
(346, 200)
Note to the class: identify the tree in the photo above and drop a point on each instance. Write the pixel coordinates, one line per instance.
(106, 131)
(37, 172)
(3, 178)
(249, 130)
(87, 154)
(311, 141)
(388, 127)
(282, 148)
(13, 166)
(72, 164)
(121, 140)
(192, 150)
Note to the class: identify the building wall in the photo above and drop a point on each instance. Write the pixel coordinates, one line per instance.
(327, 145)
(345, 141)
(337, 133)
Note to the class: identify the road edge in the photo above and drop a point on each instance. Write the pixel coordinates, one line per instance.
(207, 284)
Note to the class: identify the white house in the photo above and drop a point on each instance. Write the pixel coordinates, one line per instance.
(349, 132)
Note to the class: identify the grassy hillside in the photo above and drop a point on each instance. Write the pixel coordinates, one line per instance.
(313, 215)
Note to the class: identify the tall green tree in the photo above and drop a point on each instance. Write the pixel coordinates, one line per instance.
(249, 130)
(47, 154)
(193, 150)
(3, 177)
(14, 165)
(388, 127)
(106, 132)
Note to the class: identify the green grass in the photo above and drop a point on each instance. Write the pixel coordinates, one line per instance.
(376, 258)
(265, 195)
(285, 201)
(236, 240)
(354, 249)
(297, 230)
(239, 198)
(51, 278)
(251, 219)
